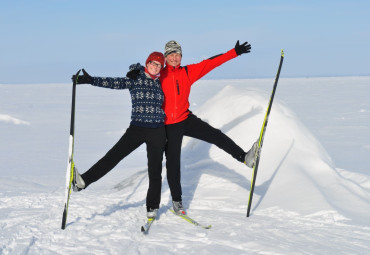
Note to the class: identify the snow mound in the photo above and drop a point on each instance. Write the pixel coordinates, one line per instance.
(9, 119)
(295, 171)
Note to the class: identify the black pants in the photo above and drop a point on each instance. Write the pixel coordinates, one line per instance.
(155, 139)
(196, 128)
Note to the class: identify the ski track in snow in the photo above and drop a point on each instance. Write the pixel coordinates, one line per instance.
(303, 203)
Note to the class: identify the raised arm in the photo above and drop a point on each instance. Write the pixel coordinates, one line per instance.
(197, 71)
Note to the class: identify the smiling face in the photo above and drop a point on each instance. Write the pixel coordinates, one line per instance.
(154, 67)
(173, 59)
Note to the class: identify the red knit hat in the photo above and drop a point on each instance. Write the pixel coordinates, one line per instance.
(156, 56)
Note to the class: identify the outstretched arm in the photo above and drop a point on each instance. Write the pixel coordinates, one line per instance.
(112, 83)
(105, 82)
(239, 49)
(197, 71)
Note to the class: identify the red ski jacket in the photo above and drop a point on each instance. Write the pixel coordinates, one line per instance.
(176, 83)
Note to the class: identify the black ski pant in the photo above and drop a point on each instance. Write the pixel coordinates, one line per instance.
(196, 128)
(155, 139)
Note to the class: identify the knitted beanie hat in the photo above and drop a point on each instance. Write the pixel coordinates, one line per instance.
(156, 56)
(172, 47)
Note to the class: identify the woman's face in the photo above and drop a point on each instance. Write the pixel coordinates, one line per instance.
(154, 67)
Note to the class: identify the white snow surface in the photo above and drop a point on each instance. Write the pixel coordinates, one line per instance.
(312, 189)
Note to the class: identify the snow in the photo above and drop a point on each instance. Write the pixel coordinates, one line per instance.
(312, 189)
(9, 119)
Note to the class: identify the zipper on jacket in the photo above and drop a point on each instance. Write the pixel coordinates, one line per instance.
(178, 87)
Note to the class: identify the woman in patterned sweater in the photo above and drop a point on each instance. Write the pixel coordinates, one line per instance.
(147, 126)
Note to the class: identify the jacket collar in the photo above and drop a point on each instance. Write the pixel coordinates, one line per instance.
(172, 68)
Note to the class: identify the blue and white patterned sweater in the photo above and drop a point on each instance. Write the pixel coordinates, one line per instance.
(146, 96)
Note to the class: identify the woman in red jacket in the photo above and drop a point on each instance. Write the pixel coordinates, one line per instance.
(176, 83)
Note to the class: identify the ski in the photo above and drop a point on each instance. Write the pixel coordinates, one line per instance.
(190, 220)
(262, 134)
(70, 164)
(145, 228)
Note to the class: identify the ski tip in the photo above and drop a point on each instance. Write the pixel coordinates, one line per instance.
(144, 230)
(282, 53)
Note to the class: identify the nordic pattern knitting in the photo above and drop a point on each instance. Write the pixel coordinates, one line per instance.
(146, 96)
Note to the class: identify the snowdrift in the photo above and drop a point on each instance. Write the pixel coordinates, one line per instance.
(295, 173)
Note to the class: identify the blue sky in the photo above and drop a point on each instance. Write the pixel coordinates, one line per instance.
(46, 41)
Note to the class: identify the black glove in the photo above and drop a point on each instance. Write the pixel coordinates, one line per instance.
(241, 49)
(133, 74)
(83, 79)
